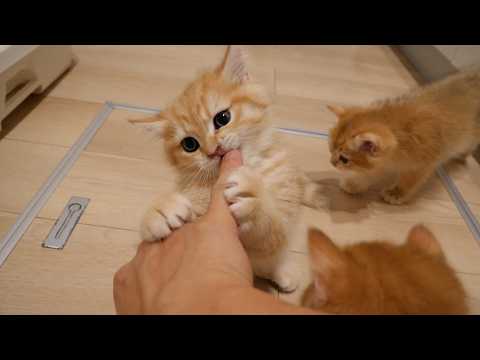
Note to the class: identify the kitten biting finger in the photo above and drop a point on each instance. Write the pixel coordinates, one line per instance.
(222, 110)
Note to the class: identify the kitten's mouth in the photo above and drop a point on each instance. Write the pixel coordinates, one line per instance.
(220, 152)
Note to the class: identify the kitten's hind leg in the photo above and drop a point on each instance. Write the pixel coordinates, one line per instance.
(278, 268)
(263, 223)
(286, 276)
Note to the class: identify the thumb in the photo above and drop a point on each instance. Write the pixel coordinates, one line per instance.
(231, 161)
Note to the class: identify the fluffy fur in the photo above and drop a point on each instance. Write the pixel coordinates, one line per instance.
(407, 137)
(381, 278)
(265, 194)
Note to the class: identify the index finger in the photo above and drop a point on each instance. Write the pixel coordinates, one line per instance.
(231, 161)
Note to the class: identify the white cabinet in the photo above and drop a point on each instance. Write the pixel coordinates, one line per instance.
(27, 69)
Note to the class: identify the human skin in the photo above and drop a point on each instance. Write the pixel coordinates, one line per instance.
(201, 268)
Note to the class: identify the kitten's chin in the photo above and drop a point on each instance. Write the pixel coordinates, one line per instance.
(341, 170)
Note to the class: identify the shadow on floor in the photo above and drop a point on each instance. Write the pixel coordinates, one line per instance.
(346, 208)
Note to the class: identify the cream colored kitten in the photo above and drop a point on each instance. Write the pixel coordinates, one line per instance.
(220, 111)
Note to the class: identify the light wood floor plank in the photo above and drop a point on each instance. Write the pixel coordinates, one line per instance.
(53, 121)
(467, 178)
(75, 280)
(141, 75)
(24, 169)
(7, 219)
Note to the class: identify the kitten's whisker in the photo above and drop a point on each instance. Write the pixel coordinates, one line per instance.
(191, 178)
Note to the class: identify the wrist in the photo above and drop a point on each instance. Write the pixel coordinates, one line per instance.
(249, 300)
(208, 299)
(232, 299)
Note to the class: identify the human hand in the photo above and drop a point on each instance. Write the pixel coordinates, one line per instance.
(185, 272)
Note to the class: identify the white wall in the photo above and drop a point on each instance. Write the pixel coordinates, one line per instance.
(461, 55)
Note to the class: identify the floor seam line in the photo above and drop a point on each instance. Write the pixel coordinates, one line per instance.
(35, 143)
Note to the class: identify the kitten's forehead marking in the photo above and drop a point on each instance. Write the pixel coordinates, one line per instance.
(204, 113)
(216, 103)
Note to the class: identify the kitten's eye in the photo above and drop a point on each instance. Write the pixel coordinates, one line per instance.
(221, 119)
(190, 144)
(343, 159)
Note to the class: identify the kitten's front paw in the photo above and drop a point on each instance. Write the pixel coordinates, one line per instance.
(242, 193)
(164, 217)
(351, 187)
(394, 196)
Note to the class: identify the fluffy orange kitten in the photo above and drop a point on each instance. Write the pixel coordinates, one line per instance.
(223, 110)
(381, 278)
(407, 137)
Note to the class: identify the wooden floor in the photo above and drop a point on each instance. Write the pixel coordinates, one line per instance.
(122, 168)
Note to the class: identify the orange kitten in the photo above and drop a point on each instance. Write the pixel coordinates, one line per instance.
(381, 278)
(407, 137)
(220, 111)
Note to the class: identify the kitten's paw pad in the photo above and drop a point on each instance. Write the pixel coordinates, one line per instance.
(241, 193)
(161, 220)
(394, 196)
(351, 187)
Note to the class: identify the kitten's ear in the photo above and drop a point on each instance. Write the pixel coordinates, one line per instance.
(234, 64)
(337, 110)
(325, 259)
(376, 141)
(422, 239)
(155, 124)
(369, 143)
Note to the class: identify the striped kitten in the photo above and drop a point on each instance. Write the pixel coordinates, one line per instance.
(223, 110)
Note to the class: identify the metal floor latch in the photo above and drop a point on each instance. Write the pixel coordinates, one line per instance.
(63, 227)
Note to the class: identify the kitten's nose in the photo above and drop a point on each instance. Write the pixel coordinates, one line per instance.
(219, 151)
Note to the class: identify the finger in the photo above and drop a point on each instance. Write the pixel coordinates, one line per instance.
(231, 161)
